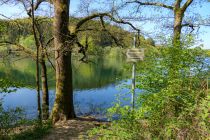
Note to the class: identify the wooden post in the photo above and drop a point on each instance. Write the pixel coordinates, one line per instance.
(207, 85)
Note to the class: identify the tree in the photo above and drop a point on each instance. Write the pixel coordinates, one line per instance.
(30, 8)
(32, 16)
(179, 8)
(39, 41)
(64, 41)
(63, 108)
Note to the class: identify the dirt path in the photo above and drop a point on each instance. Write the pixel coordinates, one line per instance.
(72, 129)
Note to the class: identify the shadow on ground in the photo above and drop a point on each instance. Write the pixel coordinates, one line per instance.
(73, 129)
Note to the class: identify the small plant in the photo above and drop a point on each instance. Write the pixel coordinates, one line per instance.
(35, 131)
(9, 119)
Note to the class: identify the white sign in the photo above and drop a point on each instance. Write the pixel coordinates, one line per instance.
(135, 55)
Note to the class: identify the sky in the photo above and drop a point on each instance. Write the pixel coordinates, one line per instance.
(14, 11)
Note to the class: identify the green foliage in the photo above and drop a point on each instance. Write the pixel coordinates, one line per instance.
(13, 119)
(19, 30)
(208, 53)
(92, 48)
(102, 38)
(5, 86)
(9, 119)
(38, 131)
(28, 42)
(150, 41)
(2, 27)
(174, 103)
(30, 130)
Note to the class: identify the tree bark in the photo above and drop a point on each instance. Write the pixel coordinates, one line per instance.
(178, 17)
(37, 64)
(45, 93)
(63, 108)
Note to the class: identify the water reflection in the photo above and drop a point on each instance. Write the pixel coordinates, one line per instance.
(94, 83)
(96, 74)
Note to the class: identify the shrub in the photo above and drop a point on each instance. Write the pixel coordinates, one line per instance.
(174, 102)
(9, 119)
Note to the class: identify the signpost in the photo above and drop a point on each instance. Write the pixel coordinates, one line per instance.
(134, 55)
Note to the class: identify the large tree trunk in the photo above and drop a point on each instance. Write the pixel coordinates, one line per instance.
(45, 93)
(63, 108)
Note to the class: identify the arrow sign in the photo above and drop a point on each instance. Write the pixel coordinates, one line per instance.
(135, 55)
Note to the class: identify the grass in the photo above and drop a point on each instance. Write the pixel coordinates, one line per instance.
(36, 131)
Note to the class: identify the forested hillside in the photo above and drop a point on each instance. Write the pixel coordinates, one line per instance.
(20, 31)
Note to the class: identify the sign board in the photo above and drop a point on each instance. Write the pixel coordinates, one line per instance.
(135, 55)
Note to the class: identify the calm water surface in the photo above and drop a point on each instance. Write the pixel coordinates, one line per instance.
(96, 84)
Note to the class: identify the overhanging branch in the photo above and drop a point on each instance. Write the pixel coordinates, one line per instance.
(96, 15)
(83, 50)
(36, 6)
(111, 35)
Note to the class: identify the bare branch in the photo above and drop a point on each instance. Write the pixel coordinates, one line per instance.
(86, 19)
(48, 58)
(190, 25)
(83, 50)
(38, 3)
(188, 2)
(35, 7)
(112, 36)
(4, 2)
(152, 4)
(177, 4)
(49, 41)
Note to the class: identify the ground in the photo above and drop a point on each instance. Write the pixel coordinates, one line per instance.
(73, 129)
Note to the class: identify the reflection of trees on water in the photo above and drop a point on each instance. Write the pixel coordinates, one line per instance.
(96, 74)
(18, 72)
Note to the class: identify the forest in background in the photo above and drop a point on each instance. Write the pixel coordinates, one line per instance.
(20, 31)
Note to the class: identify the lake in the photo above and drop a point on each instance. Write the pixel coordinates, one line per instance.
(96, 84)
